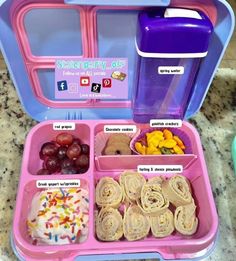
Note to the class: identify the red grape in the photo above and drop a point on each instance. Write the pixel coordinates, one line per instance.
(48, 149)
(82, 170)
(62, 152)
(43, 172)
(71, 170)
(52, 164)
(73, 151)
(76, 141)
(82, 161)
(67, 163)
(84, 149)
(64, 139)
(41, 156)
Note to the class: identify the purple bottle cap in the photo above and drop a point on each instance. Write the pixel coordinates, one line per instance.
(173, 33)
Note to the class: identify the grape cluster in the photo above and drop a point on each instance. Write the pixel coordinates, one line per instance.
(66, 155)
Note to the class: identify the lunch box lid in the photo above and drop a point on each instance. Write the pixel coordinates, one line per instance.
(220, 12)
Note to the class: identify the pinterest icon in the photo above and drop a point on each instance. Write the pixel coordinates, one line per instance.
(106, 83)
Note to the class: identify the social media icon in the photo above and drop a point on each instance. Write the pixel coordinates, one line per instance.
(62, 86)
(96, 87)
(106, 83)
(85, 81)
(73, 88)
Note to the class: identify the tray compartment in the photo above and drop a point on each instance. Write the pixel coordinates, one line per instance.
(103, 163)
(50, 30)
(208, 222)
(27, 190)
(45, 133)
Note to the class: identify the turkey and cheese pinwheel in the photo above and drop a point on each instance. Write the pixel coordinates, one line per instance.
(109, 225)
(132, 183)
(177, 190)
(152, 200)
(162, 225)
(156, 181)
(185, 219)
(108, 193)
(136, 225)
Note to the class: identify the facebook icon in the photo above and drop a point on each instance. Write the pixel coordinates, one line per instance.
(62, 86)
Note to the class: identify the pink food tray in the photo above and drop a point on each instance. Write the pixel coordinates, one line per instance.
(174, 247)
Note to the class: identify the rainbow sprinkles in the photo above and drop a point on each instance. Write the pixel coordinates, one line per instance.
(59, 216)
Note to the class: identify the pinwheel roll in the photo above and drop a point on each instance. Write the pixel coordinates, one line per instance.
(162, 225)
(132, 183)
(185, 219)
(152, 200)
(108, 193)
(136, 225)
(109, 224)
(156, 181)
(177, 190)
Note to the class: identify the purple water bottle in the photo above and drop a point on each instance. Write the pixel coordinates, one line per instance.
(170, 45)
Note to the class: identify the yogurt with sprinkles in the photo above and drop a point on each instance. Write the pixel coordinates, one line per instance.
(59, 216)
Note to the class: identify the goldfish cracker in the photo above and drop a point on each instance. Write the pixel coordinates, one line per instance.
(155, 134)
(178, 150)
(158, 133)
(153, 141)
(167, 134)
(179, 142)
(157, 152)
(169, 144)
(151, 150)
(161, 144)
(150, 135)
(140, 148)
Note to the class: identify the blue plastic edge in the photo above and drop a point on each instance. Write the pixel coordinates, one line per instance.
(119, 2)
(224, 37)
(111, 257)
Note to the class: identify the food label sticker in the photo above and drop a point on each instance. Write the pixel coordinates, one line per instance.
(170, 70)
(63, 126)
(120, 129)
(91, 78)
(166, 123)
(161, 169)
(72, 183)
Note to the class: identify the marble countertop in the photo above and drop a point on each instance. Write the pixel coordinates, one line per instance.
(216, 123)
